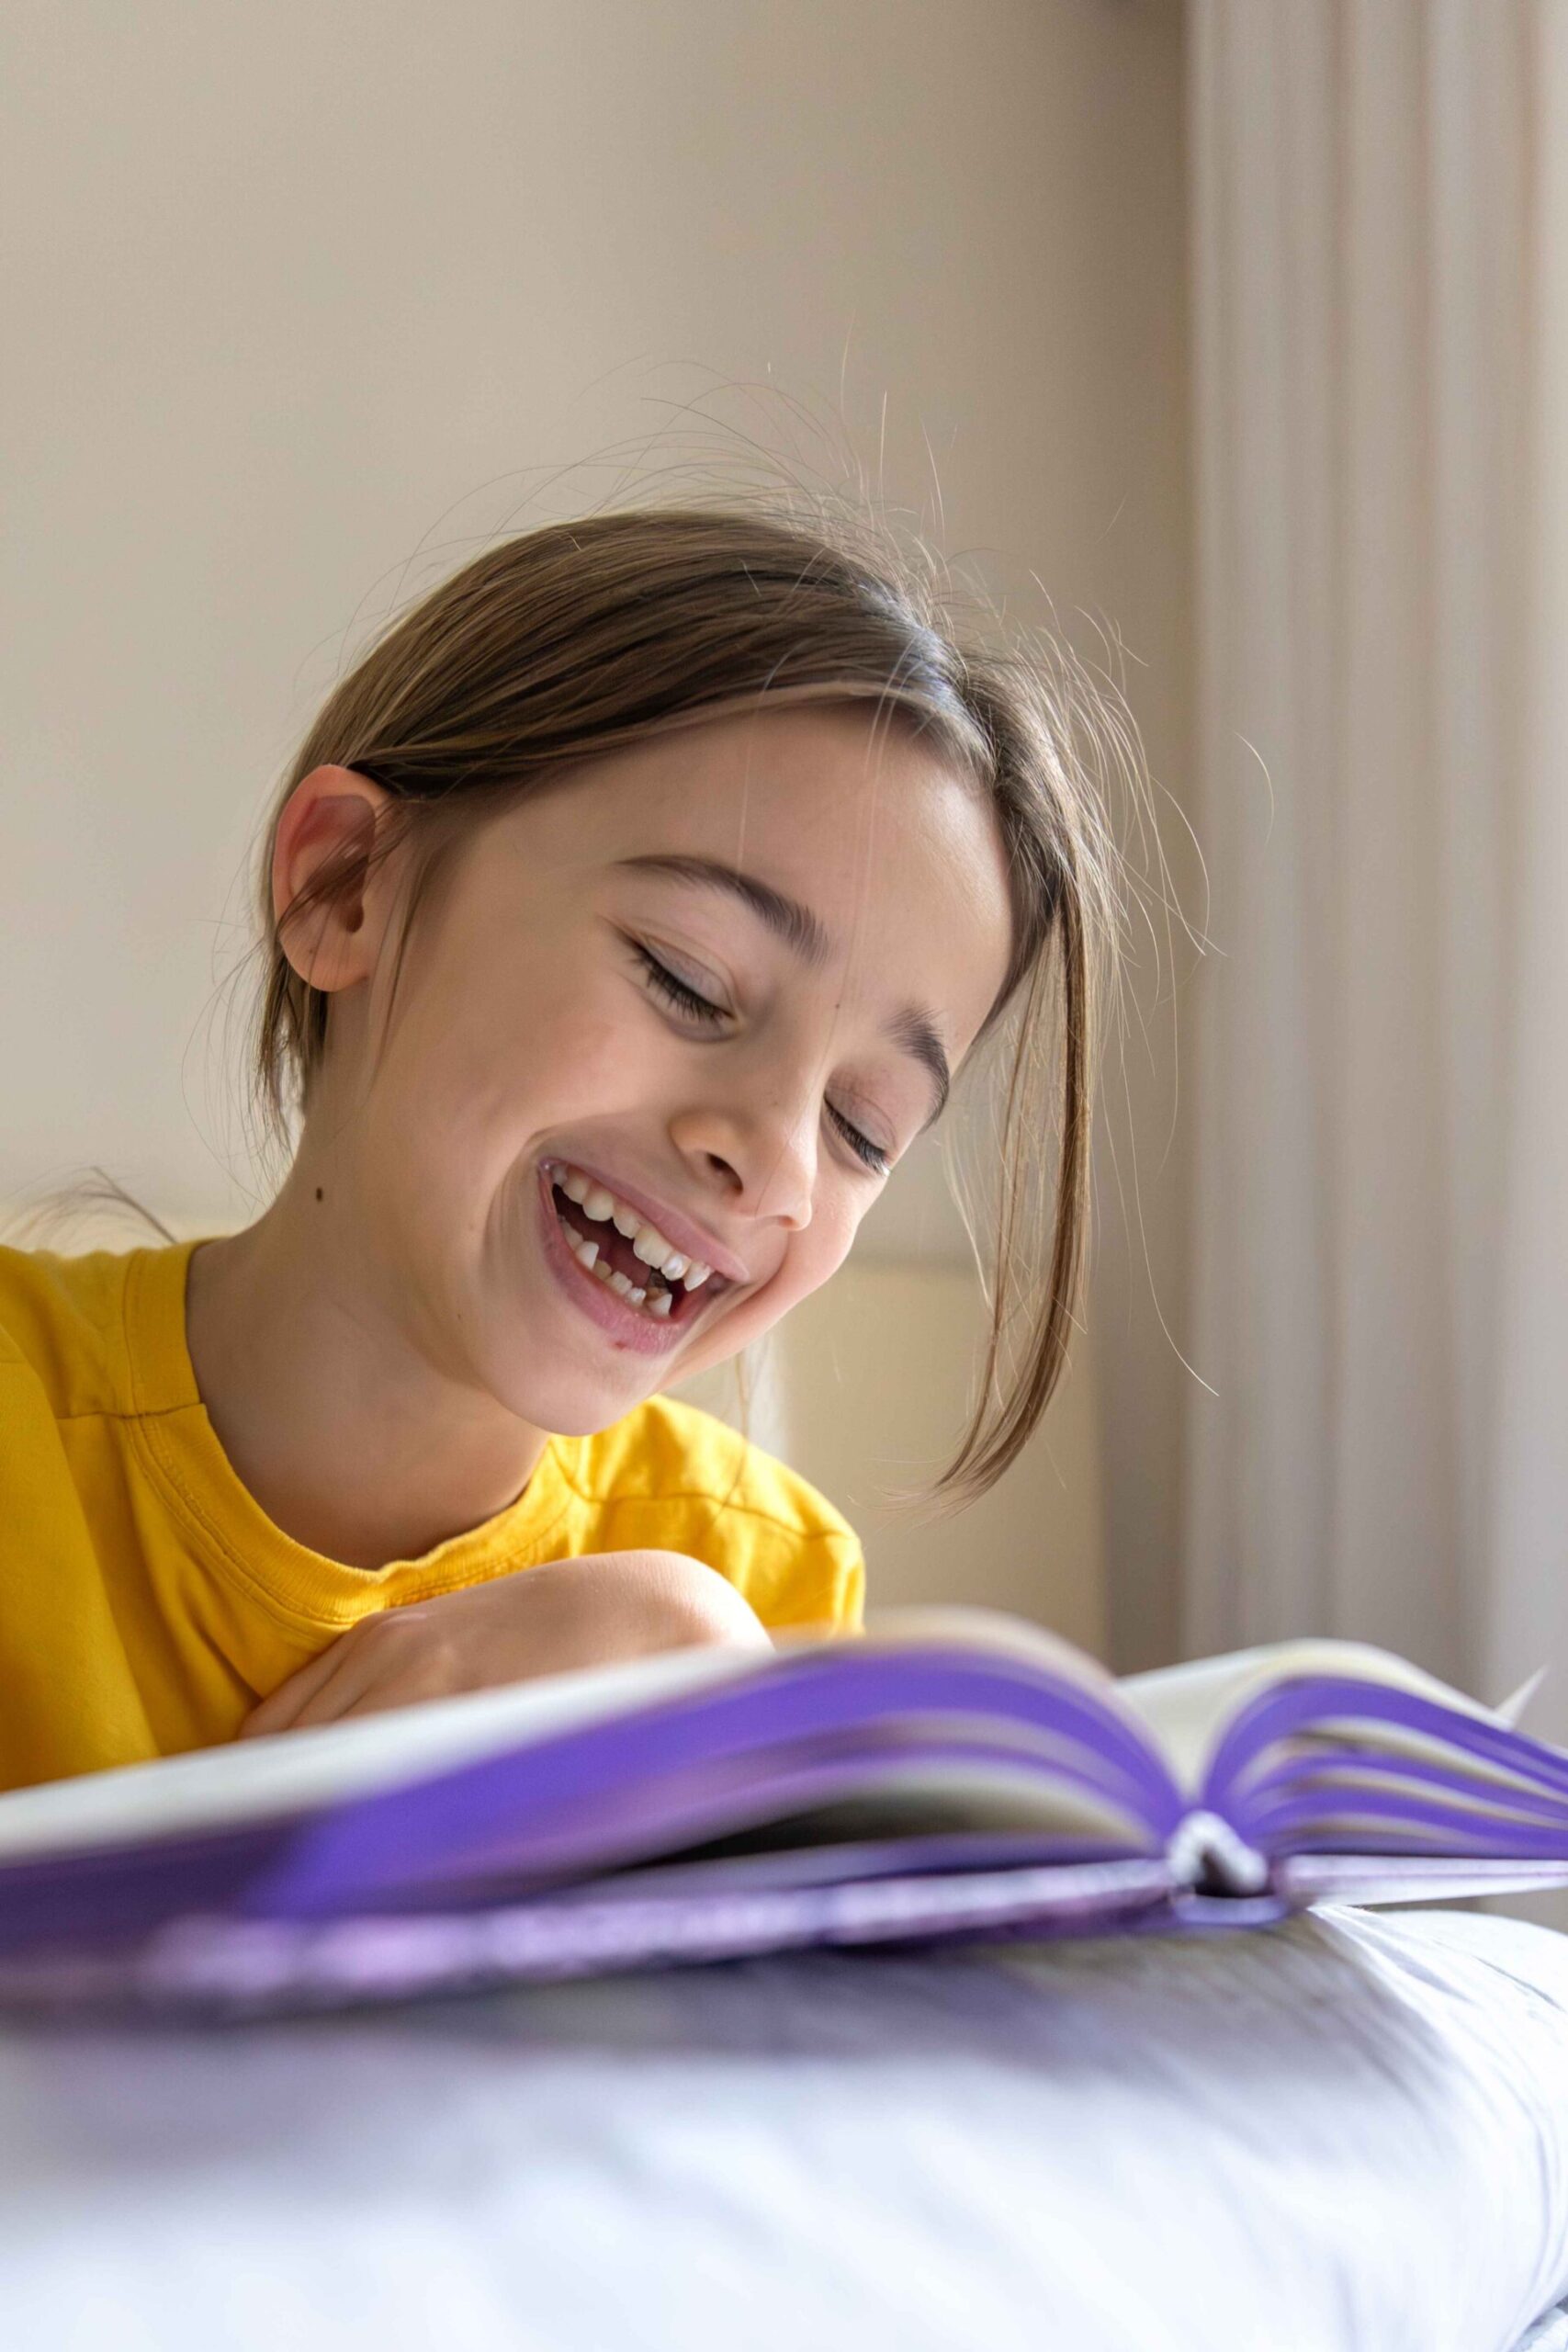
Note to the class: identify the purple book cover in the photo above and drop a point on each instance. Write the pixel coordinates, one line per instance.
(963, 1780)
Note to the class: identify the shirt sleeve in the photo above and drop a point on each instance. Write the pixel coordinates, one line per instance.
(791, 1578)
(67, 1702)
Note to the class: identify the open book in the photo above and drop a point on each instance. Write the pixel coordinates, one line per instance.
(948, 1776)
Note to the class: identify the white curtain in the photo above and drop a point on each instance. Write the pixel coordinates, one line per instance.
(1381, 1244)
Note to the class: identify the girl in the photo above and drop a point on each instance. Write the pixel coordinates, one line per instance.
(629, 909)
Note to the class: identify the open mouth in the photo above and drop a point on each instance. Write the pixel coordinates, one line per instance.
(618, 1247)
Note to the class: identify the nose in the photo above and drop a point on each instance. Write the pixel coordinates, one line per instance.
(764, 1163)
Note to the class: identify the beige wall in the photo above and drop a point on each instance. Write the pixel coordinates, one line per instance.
(872, 1382)
(305, 295)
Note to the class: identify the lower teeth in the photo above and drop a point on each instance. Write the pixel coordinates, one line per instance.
(656, 1302)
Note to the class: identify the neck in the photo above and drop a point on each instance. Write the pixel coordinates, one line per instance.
(350, 1441)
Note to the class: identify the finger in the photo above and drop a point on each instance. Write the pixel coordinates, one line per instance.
(377, 1698)
(280, 1709)
(360, 1669)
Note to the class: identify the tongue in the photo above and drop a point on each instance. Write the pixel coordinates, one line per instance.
(614, 1248)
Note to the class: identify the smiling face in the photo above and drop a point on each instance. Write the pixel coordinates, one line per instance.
(699, 995)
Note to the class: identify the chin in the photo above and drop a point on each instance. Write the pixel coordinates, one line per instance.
(572, 1399)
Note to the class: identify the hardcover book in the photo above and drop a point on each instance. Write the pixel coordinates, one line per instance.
(947, 1777)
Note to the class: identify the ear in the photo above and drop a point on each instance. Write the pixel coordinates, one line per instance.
(330, 818)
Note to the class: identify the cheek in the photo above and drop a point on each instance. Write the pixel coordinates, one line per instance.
(584, 1046)
(812, 1259)
(535, 1051)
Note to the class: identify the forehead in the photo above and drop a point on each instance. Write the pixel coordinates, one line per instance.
(889, 843)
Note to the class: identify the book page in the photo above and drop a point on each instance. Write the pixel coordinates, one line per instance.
(986, 1631)
(1017, 1641)
(1188, 1707)
(257, 1780)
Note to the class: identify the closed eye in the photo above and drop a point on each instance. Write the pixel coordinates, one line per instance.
(677, 992)
(674, 990)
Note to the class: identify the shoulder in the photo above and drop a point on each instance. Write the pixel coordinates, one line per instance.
(669, 1449)
(59, 1320)
(670, 1474)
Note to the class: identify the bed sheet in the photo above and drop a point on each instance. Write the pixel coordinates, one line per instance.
(1346, 2134)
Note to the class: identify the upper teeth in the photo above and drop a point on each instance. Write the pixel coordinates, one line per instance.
(600, 1206)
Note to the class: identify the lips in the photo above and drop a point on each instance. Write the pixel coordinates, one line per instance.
(628, 1325)
(604, 1250)
(675, 1231)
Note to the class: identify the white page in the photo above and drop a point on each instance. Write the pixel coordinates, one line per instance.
(1510, 1710)
(1188, 1707)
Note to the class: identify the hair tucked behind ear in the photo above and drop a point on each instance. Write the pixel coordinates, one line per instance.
(574, 639)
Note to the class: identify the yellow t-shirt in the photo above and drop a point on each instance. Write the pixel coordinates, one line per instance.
(146, 1599)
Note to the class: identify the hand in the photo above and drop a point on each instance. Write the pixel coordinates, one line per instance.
(587, 1611)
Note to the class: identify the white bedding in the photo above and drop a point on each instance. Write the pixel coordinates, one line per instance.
(1347, 2136)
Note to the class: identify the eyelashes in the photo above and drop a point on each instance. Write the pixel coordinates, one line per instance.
(695, 1007)
(675, 991)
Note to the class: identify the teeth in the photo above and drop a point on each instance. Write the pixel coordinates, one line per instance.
(598, 1204)
(649, 1245)
(654, 1299)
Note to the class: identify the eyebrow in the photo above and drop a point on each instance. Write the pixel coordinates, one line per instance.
(913, 1029)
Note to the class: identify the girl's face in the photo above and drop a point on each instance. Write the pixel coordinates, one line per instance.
(706, 989)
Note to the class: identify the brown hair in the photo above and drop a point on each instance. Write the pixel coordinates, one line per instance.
(575, 638)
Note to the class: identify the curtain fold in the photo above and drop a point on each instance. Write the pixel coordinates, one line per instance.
(1380, 1269)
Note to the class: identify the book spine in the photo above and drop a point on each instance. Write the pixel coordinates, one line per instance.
(1206, 1851)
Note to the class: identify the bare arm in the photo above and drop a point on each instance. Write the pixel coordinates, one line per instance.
(564, 1613)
